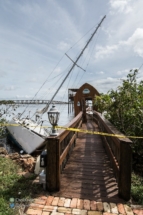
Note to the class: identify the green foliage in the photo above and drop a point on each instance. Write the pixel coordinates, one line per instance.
(3, 112)
(137, 188)
(6, 102)
(124, 108)
(4, 208)
(14, 186)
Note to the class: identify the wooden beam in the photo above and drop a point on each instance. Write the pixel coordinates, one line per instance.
(65, 152)
(53, 164)
(125, 170)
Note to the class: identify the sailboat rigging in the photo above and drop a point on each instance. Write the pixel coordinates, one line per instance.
(30, 136)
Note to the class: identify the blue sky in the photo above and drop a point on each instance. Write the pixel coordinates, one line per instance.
(35, 35)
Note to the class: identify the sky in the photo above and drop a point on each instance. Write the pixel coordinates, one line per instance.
(35, 35)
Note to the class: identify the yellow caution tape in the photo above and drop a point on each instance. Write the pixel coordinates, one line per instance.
(77, 130)
(44, 126)
(96, 132)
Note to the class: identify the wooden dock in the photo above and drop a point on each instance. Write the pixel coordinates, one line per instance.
(87, 174)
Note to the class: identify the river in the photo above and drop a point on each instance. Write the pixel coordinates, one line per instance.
(29, 110)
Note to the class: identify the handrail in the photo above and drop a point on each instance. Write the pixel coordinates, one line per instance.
(59, 149)
(119, 152)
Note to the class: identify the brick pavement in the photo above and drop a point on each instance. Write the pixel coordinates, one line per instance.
(64, 206)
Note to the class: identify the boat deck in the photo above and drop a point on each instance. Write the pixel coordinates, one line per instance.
(88, 174)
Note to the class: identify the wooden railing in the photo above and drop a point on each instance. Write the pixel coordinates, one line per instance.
(120, 154)
(58, 151)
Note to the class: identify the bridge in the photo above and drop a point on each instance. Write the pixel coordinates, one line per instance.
(26, 101)
(88, 166)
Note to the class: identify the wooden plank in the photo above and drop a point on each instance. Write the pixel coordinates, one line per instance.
(72, 124)
(87, 174)
(65, 152)
(53, 165)
(125, 170)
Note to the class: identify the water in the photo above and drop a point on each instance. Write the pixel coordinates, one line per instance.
(29, 110)
(14, 110)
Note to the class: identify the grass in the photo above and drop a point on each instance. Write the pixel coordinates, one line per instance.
(137, 188)
(14, 186)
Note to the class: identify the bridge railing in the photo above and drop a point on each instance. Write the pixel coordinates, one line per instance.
(119, 152)
(58, 151)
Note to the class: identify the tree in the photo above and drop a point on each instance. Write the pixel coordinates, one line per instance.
(3, 112)
(124, 108)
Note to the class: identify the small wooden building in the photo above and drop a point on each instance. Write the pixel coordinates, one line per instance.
(84, 93)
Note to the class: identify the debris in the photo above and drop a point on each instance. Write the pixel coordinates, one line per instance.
(3, 151)
(14, 156)
(26, 161)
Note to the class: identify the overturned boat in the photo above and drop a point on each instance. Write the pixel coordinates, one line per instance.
(26, 134)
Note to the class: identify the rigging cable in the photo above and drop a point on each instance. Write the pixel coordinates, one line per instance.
(42, 85)
(82, 37)
(66, 90)
(52, 85)
(93, 46)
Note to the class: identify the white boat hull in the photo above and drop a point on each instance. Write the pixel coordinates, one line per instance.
(23, 136)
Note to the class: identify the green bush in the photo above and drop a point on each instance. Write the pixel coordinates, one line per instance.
(137, 188)
(124, 108)
(13, 185)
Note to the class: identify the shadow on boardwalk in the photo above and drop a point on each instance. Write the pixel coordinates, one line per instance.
(88, 174)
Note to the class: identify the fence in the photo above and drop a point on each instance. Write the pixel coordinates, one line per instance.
(120, 154)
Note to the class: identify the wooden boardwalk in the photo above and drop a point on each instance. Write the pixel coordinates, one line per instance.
(88, 174)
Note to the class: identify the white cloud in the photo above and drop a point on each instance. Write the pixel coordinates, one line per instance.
(105, 84)
(136, 42)
(58, 69)
(63, 46)
(101, 72)
(33, 79)
(9, 88)
(133, 44)
(23, 97)
(106, 51)
(122, 6)
(122, 72)
(2, 73)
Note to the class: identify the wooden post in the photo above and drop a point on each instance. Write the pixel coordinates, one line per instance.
(53, 164)
(84, 111)
(125, 170)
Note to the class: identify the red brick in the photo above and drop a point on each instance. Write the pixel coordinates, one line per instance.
(61, 202)
(93, 205)
(49, 200)
(49, 208)
(67, 203)
(43, 197)
(45, 213)
(106, 207)
(121, 209)
(55, 201)
(138, 211)
(86, 204)
(128, 210)
(99, 206)
(36, 206)
(113, 208)
(33, 212)
(64, 210)
(80, 203)
(73, 203)
(40, 201)
(106, 213)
